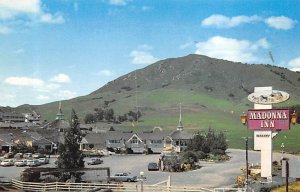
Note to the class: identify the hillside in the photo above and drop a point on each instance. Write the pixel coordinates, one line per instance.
(213, 92)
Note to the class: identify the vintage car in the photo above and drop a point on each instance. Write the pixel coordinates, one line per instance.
(21, 163)
(152, 166)
(94, 161)
(44, 160)
(123, 177)
(7, 162)
(33, 163)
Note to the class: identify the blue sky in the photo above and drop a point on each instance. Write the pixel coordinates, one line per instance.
(59, 49)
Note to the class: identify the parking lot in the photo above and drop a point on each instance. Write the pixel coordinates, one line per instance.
(211, 175)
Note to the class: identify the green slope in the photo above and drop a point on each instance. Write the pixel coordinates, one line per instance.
(213, 93)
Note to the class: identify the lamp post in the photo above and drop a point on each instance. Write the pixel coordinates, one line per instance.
(247, 163)
(11, 142)
(244, 121)
(282, 150)
(142, 178)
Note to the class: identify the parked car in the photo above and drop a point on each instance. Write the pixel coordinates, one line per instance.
(7, 162)
(21, 163)
(18, 156)
(8, 156)
(27, 155)
(123, 177)
(95, 161)
(152, 166)
(44, 160)
(38, 155)
(33, 163)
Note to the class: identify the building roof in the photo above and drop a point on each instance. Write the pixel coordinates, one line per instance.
(178, 134)
(95, 138)
(118, 135)
(58, 124)
(156, 134)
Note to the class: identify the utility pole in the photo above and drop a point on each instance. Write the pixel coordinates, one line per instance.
(247, 164)
(287, 175)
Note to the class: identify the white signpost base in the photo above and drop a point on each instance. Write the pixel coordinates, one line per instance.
(263, 140)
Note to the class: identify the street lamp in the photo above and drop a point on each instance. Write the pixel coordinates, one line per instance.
(282, 147)
(11, 142)
(244, 118)
(294, 118)
(247, 164)
(142, 178)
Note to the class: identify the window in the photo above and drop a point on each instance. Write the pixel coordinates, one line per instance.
(156, 141)
(134, 140)
(114, 141)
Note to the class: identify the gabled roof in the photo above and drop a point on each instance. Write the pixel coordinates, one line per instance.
(95, 138)
(17, 125)
(58, 124)
(118, 135)
(137, 136)
(180, 135)
(154, 135)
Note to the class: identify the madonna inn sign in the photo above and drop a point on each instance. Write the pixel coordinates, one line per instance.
(270, 119)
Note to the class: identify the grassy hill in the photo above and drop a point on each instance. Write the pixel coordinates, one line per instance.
(213, 93)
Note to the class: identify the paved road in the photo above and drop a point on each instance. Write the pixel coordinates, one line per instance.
(211, 175)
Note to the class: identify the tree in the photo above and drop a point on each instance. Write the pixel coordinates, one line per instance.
(99, 113)
(135, 116)
(70, 157)
(221, 143)
(89, 118)
(109, 114)
(197, 142)
(209, 143)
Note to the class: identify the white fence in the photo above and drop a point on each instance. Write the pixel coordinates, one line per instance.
(128, 187)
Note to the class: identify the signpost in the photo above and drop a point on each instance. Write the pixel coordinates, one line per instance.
(265, 122)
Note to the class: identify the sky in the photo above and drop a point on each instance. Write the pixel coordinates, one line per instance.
(54, 50)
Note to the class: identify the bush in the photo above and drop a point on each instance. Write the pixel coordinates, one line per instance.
(200, 154)
(218, 152)
(189, 157)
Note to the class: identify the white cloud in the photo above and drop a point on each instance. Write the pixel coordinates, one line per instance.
(118, 2)
(295, 64)
(43, 97)
(24, 81)
(19, 90)
(222, 21)
(186, 45)
(57, 18)
(61, 78)
(106, 73)
(66, 94)
(231, 49)
(142, 57)
(262, 43)
(5, 30)
(10, 8)
(33, 9)
(50, 87)
(281, 23)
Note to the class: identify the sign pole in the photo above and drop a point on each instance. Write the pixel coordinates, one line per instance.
(287, 175)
